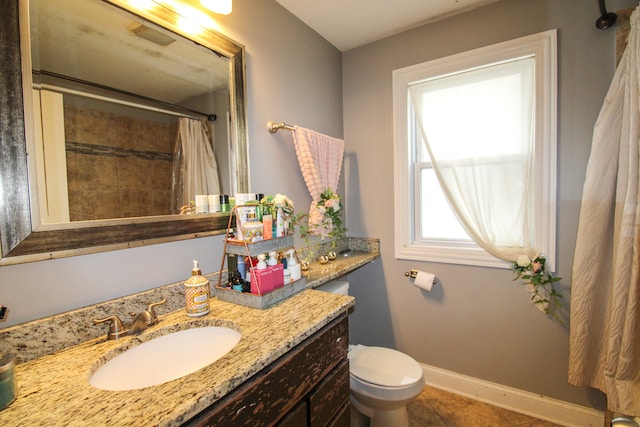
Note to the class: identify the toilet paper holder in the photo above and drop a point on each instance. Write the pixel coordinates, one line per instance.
(413, 274)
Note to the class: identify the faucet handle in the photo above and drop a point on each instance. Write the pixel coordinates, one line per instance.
(153, 318)
(116, 330)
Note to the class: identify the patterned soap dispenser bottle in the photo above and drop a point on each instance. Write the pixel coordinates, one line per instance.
(196, 292)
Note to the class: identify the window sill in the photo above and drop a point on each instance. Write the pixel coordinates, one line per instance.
(469, 254)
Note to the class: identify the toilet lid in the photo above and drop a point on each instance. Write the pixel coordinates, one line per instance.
(383, 366)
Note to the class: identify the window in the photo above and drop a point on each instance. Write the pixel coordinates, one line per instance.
(489, 118)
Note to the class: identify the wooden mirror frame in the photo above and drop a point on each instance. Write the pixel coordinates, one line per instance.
(19, 242)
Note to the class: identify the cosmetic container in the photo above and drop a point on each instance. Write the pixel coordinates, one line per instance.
(8, 388)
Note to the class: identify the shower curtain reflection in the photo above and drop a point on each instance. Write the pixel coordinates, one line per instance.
(195, 170)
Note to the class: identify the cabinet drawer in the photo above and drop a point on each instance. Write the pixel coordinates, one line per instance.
(297, 417)
(331, 394)
(269, 395)
(343, 418)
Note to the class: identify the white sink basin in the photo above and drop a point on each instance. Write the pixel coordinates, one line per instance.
(165, 358)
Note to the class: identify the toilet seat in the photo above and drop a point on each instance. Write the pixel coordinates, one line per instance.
(383, 367)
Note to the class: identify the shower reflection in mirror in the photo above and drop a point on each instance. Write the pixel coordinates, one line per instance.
(125, 108)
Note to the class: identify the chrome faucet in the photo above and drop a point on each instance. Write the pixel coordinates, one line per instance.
(141, 321)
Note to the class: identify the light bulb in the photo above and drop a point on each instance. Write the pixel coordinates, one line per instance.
(222, 7)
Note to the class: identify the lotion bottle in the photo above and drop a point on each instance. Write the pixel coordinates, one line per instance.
(196, 291)
(273, 258)
(294, 266)
(261, 262)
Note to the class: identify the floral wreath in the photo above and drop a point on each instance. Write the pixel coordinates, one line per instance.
(540, 283)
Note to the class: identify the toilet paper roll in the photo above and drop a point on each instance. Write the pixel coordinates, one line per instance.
(424, 280)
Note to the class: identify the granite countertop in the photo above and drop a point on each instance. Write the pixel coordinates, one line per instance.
(60, 353)
(54, 389)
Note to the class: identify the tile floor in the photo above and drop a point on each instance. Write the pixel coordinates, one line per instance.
(438, 408)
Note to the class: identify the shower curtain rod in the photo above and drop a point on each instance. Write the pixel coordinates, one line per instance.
(606, 19)
(188, 113)
(273, 127)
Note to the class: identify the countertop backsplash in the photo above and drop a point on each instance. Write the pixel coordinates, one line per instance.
(48, 335)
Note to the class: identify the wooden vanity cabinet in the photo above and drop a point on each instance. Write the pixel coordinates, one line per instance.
(308, 386)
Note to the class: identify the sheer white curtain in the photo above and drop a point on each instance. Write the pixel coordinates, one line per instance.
(477, 129)
(604, 341)
(195, 170)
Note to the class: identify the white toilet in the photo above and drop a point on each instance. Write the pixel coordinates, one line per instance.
(383, 381)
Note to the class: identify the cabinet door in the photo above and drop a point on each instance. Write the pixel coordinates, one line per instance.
(274, 391)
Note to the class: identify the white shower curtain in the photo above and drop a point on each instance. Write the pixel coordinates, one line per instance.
(195, 170)
(604, 341)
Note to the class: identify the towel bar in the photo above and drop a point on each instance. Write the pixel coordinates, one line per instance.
(274, 127)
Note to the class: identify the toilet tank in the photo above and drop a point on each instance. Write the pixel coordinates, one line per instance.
(340, 287)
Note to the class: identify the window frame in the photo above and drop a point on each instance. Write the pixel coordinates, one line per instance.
(543, 46)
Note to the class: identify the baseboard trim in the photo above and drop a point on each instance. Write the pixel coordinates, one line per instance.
(545, 408)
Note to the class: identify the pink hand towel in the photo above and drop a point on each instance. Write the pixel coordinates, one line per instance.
(320, 160)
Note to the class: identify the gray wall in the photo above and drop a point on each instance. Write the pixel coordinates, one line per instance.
(293, 75)
(479, 322)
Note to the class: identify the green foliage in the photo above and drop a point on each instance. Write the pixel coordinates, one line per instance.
(540, 283)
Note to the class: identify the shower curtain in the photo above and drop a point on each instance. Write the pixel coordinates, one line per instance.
(604, 342)
(195, 170)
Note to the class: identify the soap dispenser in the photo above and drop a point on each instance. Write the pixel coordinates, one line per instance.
(294, 266)
(261, 262)
(273, 258)
(196, 291)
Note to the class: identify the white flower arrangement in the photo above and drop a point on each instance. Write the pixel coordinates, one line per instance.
(540, 283)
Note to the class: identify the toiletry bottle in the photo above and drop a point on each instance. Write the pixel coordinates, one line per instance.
(196, 291)
(242, 268)
(261, 265)
(279, 224)
(286, 272)
(273, 258)
(267, 227)
(232, 263)
(238, 283)
(224, 203)
(259, 211)
(294, 266)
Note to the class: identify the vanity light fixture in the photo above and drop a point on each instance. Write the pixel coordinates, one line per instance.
(221, 7)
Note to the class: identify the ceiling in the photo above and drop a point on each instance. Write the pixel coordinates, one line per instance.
(347, 24)
(93, 41)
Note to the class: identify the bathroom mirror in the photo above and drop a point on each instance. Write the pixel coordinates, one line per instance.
(27, 230)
